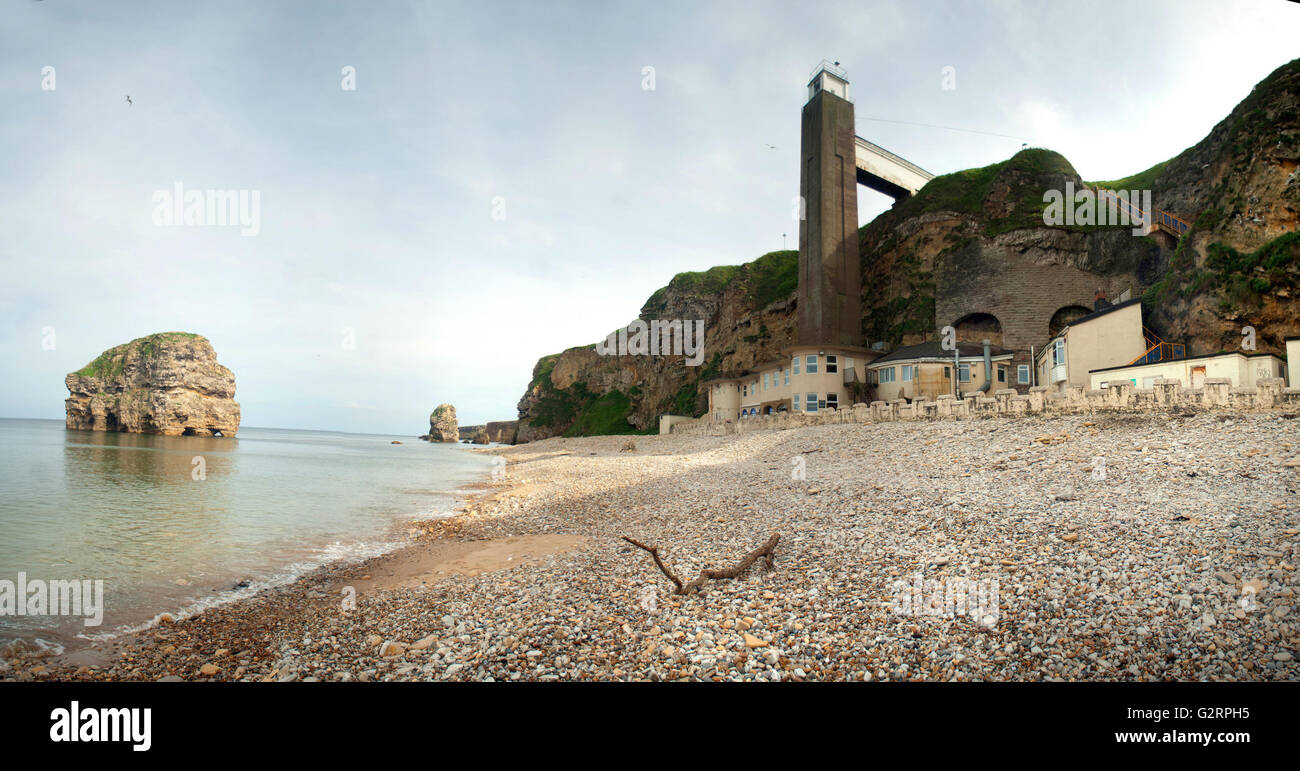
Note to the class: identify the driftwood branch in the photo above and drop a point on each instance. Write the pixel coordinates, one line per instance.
(766, 551)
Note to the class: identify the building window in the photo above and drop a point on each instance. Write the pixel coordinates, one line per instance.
(963, 373)
(832, 364)
(796, 401)
(1022, 373)
(744, 390)
(947, 373)
(848, 363)
(767, 381)
(810, 403)
(907, 373)
(787, 377)
(1058, 353)
(886, 375)
(810, 364)
(832, 401)
(795, 364)
(1002, 374)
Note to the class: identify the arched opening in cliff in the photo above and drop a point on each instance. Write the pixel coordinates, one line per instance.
(978, 327)
(189, 431)
(1063, 317)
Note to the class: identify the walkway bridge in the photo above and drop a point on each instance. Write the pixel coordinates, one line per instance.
(887, 173)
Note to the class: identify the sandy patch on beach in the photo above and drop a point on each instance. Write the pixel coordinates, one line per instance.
(424, 564)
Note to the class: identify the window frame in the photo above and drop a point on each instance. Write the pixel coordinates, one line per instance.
(810, 364)
(810, 405)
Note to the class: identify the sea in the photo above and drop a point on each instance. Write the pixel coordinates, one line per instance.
(177, 524)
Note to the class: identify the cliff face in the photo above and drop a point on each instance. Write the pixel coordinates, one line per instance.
(168, 383)
(748, 312)
(1239, 265)
(970, 249)
(502, 431)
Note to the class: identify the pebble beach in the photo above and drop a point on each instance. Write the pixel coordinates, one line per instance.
(1104, 547)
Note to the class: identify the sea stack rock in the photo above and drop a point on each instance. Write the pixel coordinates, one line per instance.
(442, 424)
(168, 383)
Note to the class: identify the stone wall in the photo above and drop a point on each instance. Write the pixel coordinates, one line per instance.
(1165, 395)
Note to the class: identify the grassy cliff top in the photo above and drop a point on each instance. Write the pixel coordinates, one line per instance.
(1024, 176)
(111, 362)
(770, 278)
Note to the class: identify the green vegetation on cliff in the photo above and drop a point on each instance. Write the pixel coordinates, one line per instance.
(768, 279)
(773, 277)
(110, 363)
(1143, 180)
(1024, 176)
(1240, 280)
(603, 415)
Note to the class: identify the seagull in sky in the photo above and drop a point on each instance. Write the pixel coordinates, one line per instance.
(128, 100)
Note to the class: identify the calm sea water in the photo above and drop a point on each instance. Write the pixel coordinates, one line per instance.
(173, 523)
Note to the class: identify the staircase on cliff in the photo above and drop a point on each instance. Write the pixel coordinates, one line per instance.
(1160, 220)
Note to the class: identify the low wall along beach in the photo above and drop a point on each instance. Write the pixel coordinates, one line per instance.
(1164, 395)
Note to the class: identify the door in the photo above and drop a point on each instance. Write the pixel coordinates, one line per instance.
(1198, 377)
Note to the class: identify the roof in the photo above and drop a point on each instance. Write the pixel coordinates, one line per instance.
(935, 350)
(1098, 314)
(1279, 357)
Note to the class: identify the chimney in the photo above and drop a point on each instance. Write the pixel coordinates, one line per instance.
(1100, 300)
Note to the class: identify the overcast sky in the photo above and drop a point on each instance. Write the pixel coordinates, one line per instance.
(377, 204)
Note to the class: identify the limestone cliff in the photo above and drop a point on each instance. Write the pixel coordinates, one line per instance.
(168, 383)
(749, 316)
(502, 431)
(1239, 265)
(442, 424)
(971, 249)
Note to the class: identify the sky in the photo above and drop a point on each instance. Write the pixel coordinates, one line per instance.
(506, 180)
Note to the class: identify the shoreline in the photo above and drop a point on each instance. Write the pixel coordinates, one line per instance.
(398, 536)
(1141, 575)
